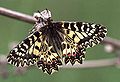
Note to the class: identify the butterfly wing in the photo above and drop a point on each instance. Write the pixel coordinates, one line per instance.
(78, 36)
(35, 50)
(49, 60)
(85, 34)
(20, 55)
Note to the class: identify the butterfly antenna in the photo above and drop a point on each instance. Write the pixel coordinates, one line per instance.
(38, 11)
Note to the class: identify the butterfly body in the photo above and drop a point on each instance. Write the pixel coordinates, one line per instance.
(51, 44)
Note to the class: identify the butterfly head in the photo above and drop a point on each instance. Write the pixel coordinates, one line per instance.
(43, 16)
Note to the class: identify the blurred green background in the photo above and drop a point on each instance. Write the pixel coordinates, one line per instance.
(106, 12)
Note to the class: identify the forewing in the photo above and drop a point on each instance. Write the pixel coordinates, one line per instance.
(85, 34)
(20, 56)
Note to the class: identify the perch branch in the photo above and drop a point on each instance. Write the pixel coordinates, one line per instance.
(94, 63)
(17, 15)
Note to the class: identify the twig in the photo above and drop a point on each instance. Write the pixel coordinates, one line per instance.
(94, 63)
(114, 42)
(17, 15)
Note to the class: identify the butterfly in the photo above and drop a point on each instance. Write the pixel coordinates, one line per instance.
(51, 44)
